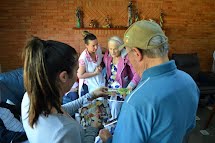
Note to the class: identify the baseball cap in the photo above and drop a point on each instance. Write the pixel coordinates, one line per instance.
(140, 33)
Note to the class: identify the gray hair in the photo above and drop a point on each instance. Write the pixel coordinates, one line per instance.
(161, 51)
(116, 40)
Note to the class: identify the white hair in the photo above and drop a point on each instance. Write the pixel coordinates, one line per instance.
(162, 49)
(116, 40)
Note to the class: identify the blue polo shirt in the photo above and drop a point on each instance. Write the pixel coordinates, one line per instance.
(161, 109)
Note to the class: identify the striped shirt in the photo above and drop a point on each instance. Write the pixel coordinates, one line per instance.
(10, 122)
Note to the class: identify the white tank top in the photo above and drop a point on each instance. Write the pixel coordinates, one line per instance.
(90, 66)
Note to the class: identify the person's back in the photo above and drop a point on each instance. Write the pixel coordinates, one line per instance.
(164, 96)
(163, 106)
(178, 104)
(51, 128)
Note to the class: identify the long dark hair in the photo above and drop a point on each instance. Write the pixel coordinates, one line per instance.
(88, 36)
(43, 61)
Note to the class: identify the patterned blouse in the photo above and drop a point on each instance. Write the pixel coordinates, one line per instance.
(112, 83)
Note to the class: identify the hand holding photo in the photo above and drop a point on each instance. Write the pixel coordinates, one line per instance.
(112, 92)
(123, 91)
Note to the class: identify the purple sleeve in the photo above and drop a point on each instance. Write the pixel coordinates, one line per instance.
(135, 79)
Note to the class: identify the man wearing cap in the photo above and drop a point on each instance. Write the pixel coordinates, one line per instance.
(163, 106)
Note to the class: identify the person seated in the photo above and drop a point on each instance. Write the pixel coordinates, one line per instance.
(11, 129)
(72, 94)
(12, 87)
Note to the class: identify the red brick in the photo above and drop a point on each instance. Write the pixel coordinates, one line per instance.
(189, 24)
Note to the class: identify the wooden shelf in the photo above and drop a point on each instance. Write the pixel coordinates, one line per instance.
(88, 28)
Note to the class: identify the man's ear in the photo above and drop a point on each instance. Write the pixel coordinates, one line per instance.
(138, 54)
(63, 76)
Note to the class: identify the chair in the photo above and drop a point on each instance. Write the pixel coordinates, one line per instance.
(12, 87)
(189, 63)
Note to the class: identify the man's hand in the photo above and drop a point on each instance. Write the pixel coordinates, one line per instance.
(104, 134)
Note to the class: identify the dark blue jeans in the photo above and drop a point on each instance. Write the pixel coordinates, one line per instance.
(71, 96)
(84, 90)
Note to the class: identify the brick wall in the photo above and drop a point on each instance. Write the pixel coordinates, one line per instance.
(189, 24)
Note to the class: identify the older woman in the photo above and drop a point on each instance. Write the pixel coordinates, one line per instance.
(119, 72)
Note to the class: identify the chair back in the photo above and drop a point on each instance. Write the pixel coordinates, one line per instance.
(188, 63)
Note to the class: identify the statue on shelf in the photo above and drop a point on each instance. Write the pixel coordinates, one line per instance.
(107, 23)
(136, 16)
(161, 19)
(152, 20)
(78, 14)
(130, 13)
(93, 24)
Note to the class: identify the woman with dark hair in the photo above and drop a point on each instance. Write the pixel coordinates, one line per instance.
(50, 68)
(89, 72)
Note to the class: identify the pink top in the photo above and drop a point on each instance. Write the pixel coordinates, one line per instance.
(126, 75)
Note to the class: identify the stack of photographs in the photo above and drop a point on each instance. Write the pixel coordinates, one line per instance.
(98, 111)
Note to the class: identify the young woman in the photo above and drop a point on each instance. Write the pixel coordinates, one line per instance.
(89, 72)
(119, 72)
(50, 69)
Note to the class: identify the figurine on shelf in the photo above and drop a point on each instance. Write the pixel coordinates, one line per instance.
(136, 16)
(161, 19)
(93, 24)
(107, 23)
(152, 20)
(78, 14)
(130, 11)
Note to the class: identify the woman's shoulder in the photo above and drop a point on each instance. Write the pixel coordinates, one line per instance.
(106, 54)
(83, 54)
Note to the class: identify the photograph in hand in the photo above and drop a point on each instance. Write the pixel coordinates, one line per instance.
(110, 125)
(120, 93)
(97, 110)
